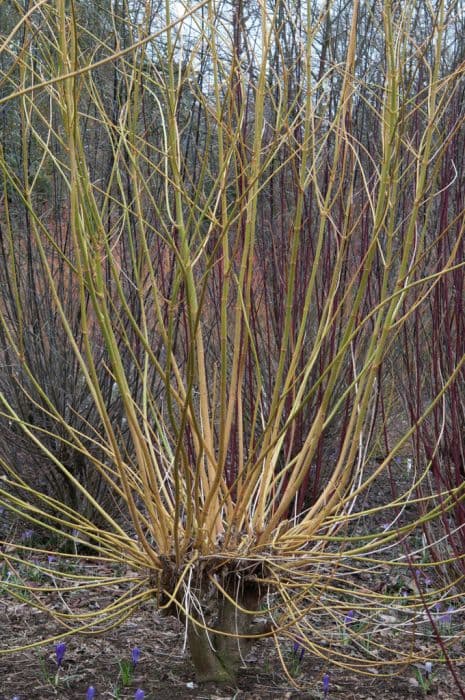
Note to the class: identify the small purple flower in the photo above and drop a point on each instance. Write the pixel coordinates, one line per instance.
(27, 535)
(51, 559)
(446, 618)
(60, 650)
(139, 694)
(349, 618)
(419, 575)
(90, 695)
(135, 655)
(298, 651)
(326, 685)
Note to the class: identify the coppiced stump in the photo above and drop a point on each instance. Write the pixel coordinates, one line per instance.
(250, 204)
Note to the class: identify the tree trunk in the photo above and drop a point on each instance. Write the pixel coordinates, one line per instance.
(218, 656)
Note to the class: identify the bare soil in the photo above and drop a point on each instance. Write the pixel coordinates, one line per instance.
(164, 672)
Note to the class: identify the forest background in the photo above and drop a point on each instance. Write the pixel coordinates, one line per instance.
(232, 323)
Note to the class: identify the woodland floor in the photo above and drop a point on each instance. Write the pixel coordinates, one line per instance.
(165, 673)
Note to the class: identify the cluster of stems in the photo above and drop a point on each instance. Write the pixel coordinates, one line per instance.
(230, 238)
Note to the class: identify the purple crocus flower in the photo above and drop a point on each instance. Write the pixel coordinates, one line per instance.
(419, 575)
(27, 535)
(60, 650)
(326, 685)
(139, 694)
(446, 618)
(298, 651)
(135, 655)
(349, 617)
(90, 695)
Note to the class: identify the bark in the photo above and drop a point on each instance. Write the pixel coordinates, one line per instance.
(208, 665)
(218, 657)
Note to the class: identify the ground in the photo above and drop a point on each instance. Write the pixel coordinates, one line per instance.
(165, 673)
